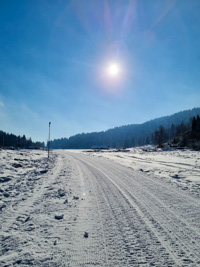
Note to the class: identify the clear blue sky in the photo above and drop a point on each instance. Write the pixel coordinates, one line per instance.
(54, 56)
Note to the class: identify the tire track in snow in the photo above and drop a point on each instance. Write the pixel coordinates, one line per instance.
(160, 221)
(181, 235)
(148, 185)
(147, 240)
(150, 190)
(157, 222)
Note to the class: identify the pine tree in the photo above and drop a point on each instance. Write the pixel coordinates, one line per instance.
(160, 136)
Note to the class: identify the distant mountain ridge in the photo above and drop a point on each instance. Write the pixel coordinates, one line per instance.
(124, 136)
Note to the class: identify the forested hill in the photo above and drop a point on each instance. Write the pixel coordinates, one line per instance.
(124, 136)
(10, 140)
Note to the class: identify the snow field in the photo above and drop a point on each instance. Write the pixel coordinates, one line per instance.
(99, 208)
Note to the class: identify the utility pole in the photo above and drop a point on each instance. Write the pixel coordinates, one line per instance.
(3, 139)
(49, 139)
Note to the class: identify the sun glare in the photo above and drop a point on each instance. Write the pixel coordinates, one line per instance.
(112, 76)
(113, 69)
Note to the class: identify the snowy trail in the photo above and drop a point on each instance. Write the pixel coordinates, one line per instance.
(107, 215)
(168, 218)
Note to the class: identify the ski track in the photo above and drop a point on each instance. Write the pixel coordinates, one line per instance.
(131, 219)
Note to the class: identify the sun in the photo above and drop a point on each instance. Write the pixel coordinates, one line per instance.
(112, 76)
(113, 69)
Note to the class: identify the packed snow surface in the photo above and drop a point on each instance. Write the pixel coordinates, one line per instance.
(136, 207)
(182, 165)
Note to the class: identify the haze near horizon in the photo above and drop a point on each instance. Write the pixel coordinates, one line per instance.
(93, 65)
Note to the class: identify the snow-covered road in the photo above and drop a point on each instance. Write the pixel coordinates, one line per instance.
(91, 211)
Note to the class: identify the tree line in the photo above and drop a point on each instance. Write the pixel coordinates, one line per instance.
(179, 135)
(10, 140)
(181, 129)
(131, 135)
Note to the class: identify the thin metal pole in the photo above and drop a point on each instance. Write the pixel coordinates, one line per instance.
(3, 139)
(49, 139)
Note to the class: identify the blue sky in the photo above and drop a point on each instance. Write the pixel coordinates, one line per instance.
(54, 57)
